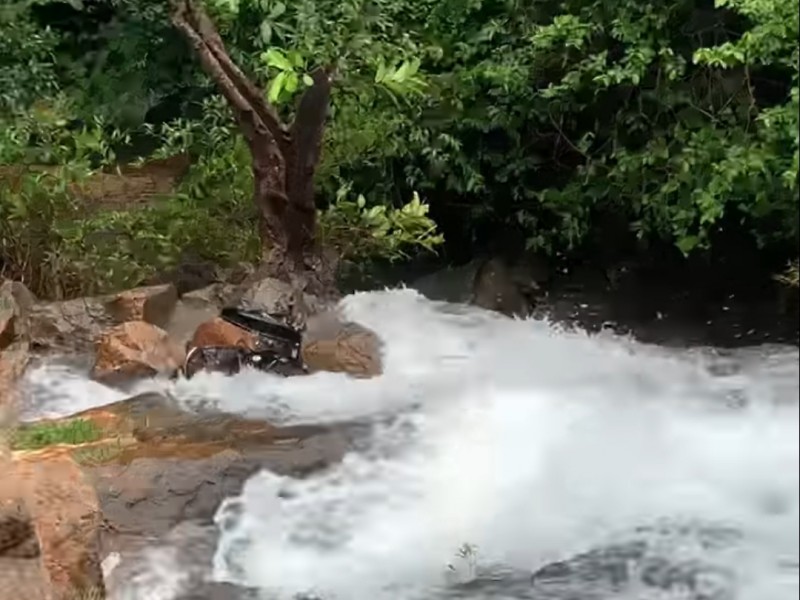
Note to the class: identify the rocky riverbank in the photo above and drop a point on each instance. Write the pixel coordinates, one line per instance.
(105, 482)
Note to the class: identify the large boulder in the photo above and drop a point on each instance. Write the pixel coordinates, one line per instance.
(69, 324)
(491, 283)
(332, 344)
(62, 511)
(281, 298)
(135, 349)
(495, 288)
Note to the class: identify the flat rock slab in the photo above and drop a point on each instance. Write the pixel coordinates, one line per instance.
(158, 466)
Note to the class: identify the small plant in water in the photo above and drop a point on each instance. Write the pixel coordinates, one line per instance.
(42, 435)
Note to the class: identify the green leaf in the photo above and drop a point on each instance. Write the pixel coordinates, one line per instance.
(687, 243)
(307, 80)
(291, 82)
(276, 87)
(275, 58)
(296, 58)
(265, 31)
(277, 10)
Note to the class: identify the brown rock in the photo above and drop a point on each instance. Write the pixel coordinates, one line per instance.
(135, 349)
(354, 350)
(218, 332)
(66, 518)
(153, 304)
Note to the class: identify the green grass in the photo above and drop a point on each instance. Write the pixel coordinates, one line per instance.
(42, 435)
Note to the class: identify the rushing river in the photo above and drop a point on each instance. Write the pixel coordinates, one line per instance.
(499, 449)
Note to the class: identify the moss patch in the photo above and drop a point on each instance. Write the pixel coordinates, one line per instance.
(42, 435)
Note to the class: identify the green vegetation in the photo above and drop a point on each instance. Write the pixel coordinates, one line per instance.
(570, 122)
(41, 435)
(791, 276)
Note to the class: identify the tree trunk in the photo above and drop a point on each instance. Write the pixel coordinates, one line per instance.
(284, 157)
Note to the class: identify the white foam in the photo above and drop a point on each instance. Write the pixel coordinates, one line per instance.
(529, 442)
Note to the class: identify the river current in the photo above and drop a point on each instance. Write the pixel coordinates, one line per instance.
(511, 459)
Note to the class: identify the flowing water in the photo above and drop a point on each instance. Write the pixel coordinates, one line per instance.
(500, 449)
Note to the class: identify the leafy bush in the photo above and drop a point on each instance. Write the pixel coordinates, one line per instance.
(791, 276)
(677, 120)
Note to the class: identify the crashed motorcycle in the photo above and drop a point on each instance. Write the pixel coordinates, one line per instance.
(277, 347)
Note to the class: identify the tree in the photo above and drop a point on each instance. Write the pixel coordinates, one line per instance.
(284, 157)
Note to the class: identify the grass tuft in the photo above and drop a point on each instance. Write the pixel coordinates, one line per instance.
(42, 435)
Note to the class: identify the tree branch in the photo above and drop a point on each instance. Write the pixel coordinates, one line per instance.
(236, 86)
(306, 133)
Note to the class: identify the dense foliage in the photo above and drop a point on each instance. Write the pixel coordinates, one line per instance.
(574, 123)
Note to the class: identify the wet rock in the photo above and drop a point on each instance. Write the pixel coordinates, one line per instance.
(15, 307)
(220, 591)
(153, 304)
(71, 325)
(451, 284)
(66, 519)
(195, 308)
(496, 288)
(170, 464)
(493, 284)
(135, 349)
(161, 469)
(281, 298)
(640, 564)
(330, 344)
(74, 325)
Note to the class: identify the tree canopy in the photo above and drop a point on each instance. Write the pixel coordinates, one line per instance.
(574, 124)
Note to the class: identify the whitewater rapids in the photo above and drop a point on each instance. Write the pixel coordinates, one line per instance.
(526, 443)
